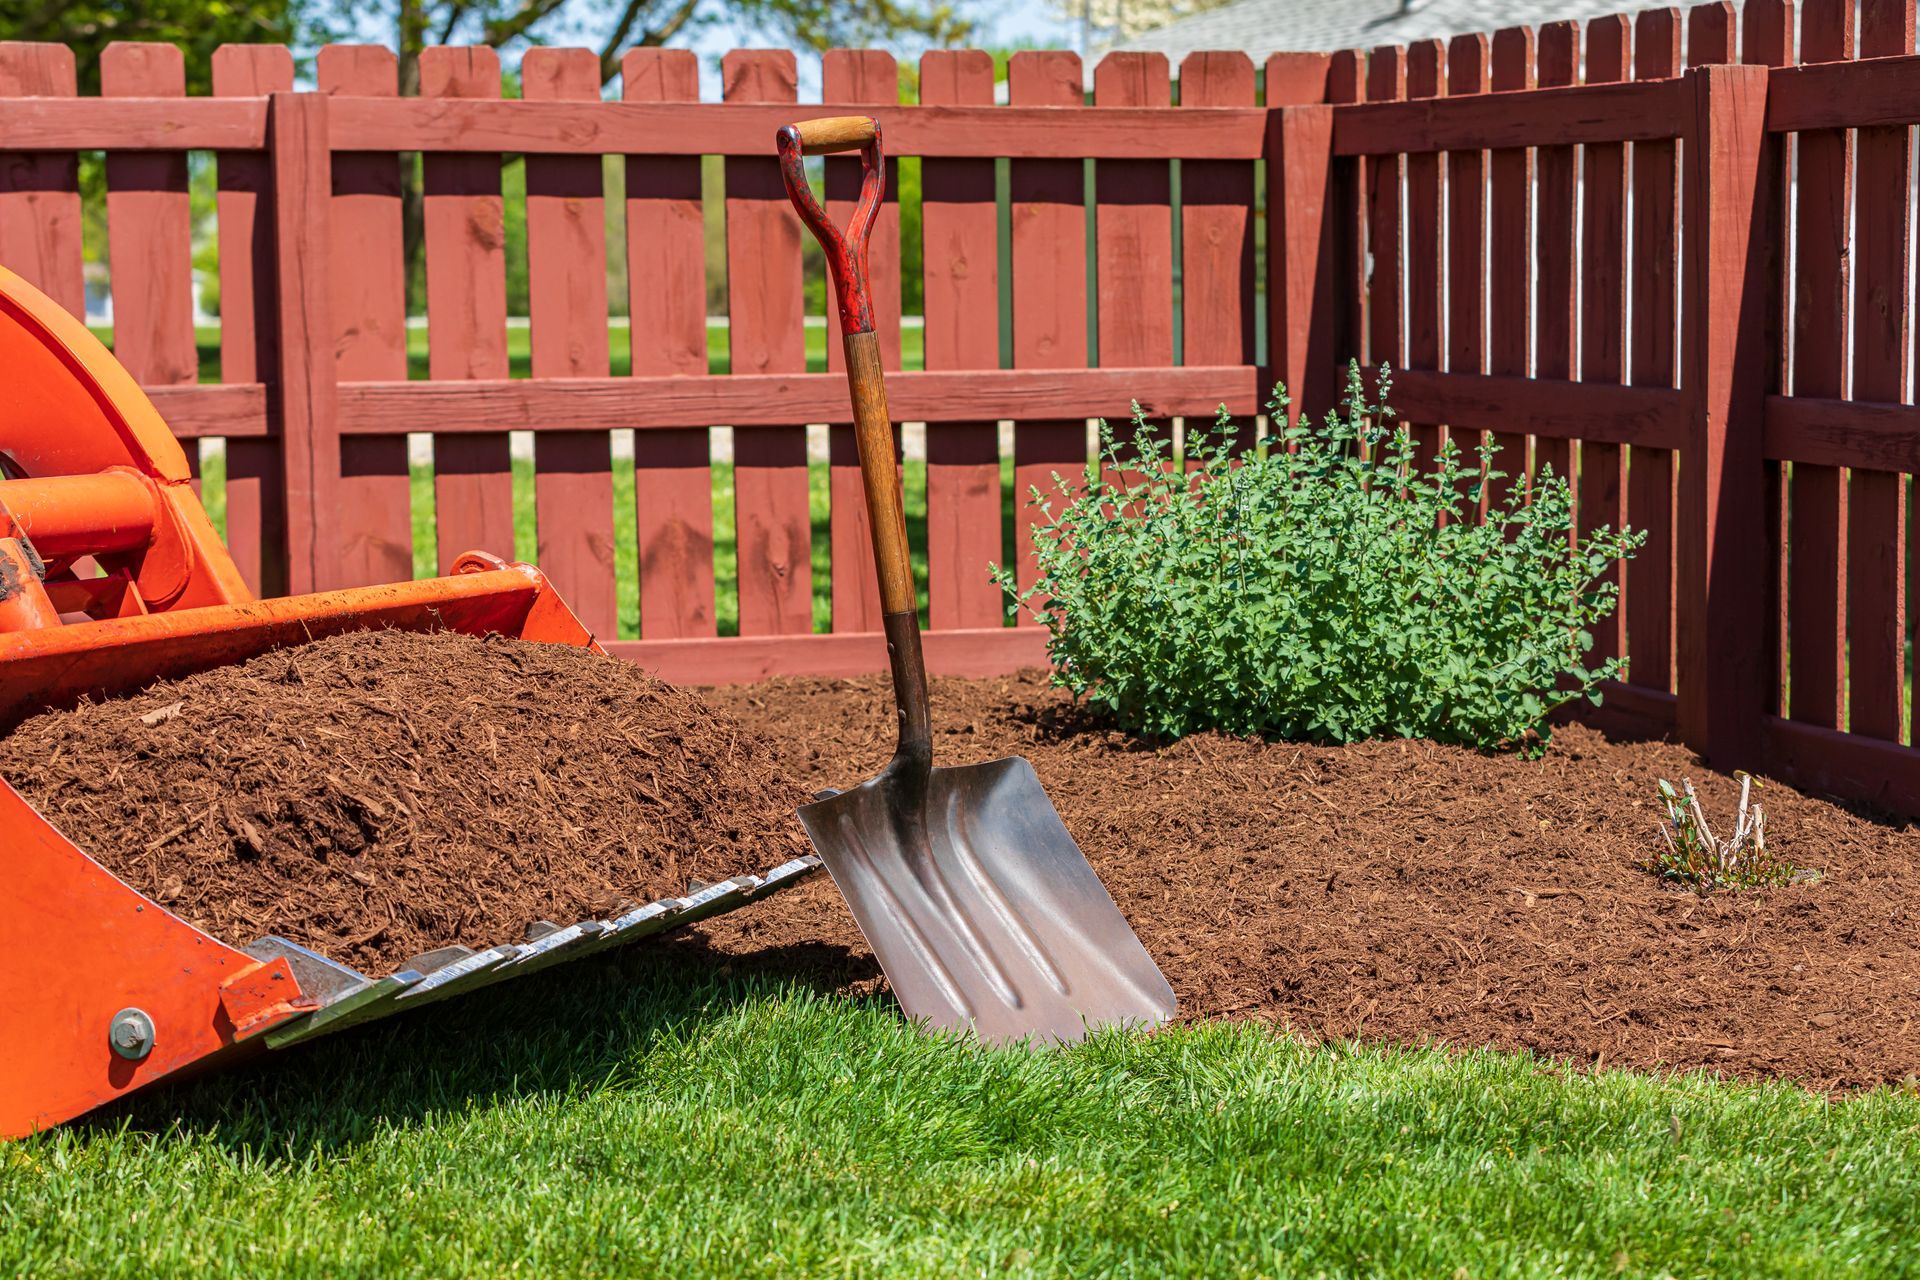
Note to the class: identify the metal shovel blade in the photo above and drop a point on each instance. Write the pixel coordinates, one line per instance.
(982, 910)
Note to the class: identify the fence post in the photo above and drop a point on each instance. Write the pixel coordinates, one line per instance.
(1302, 324)
(1722, 544)
(305, 389)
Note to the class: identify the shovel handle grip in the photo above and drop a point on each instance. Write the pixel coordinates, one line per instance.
(872, 422)
(835, 133)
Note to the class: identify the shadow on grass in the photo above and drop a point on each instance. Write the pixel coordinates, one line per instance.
(553, 1034)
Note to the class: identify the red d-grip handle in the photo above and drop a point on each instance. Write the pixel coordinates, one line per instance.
(846, 253)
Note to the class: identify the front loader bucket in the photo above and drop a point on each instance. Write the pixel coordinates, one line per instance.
(112, 577)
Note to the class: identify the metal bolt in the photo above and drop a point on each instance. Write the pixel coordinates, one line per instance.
(131, 1034)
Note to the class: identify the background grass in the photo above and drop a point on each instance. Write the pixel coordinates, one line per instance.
(426, 555)
(654, 1113)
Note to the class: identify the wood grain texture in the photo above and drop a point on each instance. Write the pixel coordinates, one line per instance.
(1767, 40)
(1720, 673)
(256, 483)
(1876, 500)
(1216, 224)
(1839, 95)
(1603, 308)
(1510, 260)
(1049, 291)
(1817, 568)
(465, 228)
(306, 365)
(1466, 239)
(741, 128)
(40, 237)
(1653, 348)
(567, 319)
(373, 535)
(959, 237)
(667, 303)
(1557, 61)
(1551, 408)
(766, 305)
(1589, 113)
(1133, 234)
(1305, 264)
(1346, 85)
(1426, 197)
(863, 76)
(149, 228)
(767, 402)
(1383, 176)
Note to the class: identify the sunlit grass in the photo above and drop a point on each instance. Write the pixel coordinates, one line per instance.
(659, 1115)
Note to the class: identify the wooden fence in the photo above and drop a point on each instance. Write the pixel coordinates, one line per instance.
(1684, 282)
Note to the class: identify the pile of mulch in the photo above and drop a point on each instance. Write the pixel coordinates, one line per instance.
(379, 794)
(1408, 892)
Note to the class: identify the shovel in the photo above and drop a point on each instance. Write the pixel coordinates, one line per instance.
(982, 910)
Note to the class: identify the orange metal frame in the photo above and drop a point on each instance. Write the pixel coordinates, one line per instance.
(111, 576)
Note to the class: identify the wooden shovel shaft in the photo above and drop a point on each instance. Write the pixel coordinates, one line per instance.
(872, 423)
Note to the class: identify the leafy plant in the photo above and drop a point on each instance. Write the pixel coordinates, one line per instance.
(1696, 857)
(1333, 585)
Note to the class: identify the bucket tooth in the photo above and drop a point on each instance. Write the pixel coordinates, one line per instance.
(363, 1004)
(461, 974)
(323, 979)
(438, 958)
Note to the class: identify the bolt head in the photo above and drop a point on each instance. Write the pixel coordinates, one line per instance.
(131, 1034)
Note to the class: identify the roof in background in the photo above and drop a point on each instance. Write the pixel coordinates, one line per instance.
(1261, 27)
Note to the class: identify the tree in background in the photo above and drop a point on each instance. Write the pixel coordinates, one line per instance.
(197, 26)
(614, 26)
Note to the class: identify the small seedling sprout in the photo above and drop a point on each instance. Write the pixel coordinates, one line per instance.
(1695, 856)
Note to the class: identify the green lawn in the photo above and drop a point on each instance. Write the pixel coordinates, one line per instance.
(645, 1114)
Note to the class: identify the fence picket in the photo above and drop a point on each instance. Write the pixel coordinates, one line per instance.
(1466, 235)
(1386, 82)
(567, 322)
(1509, 267)
(1216, 229)
(1133, 229)
(667, 330)
(1603, 304)
(1817, 569)
(256, 487)
(1876, 500)
(862, 76)
(1345, 289)
(767, 334)
(373, 539)
(1049, 290)
(40, 236)
(1653, 347)
(960, 234)
(465, 230)
(150, 228)
(1767, 40)
(1558, 64)
(1426, 196)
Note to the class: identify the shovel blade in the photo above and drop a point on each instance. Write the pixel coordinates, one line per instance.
(982, 910)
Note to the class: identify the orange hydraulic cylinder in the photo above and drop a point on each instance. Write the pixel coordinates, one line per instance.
(82, 515)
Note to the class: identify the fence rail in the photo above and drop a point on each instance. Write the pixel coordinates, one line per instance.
(1682, 280)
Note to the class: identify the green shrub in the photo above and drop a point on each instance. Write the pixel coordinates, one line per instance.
(1330, 586)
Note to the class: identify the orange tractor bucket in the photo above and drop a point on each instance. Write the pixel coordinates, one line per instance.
(112, 577)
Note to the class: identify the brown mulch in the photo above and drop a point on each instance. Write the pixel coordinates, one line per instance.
(380, 794)
(1409, 892)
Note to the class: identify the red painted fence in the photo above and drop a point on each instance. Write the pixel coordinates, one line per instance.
(1575, 238)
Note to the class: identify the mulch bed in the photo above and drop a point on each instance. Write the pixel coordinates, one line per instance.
(1409, 892)
(377, 795)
